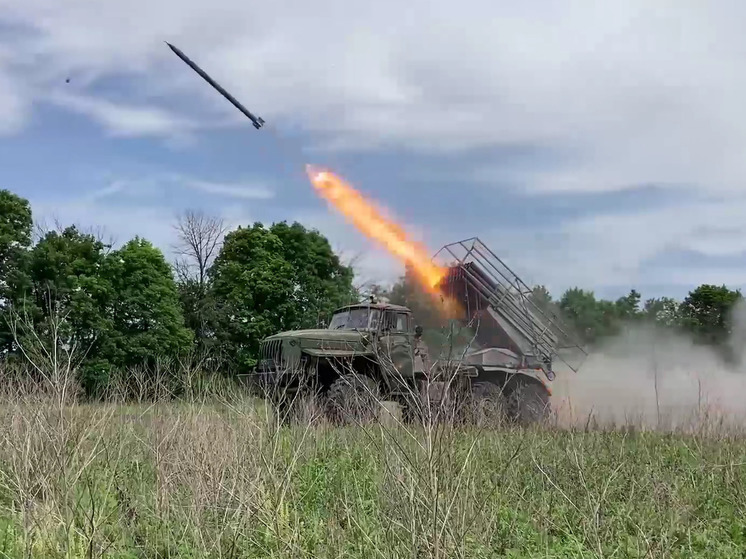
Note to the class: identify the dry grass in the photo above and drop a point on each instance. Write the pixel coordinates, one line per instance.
(214, 474)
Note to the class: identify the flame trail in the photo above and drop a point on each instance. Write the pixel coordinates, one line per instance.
(369, 221)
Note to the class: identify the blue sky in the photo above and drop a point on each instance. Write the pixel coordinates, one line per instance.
(587, 145)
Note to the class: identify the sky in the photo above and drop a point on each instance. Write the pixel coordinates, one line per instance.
(588, 144)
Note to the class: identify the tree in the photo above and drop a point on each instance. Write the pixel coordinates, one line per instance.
(541, 297)
(321, 282)
(706, 312)
(266, 280)
(198, 242)
(15, 240)
(596, 319)
(63, 304)
(66, 277)
(628, 307)
(147, 321)
(663, 311)
(583, 311)
(15, 228)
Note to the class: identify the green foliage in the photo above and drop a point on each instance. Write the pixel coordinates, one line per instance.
(114, 310)
(628, 307)
(15, 226)
(541, 297)
(102, 309)
(199, 308)
(706, 312)
(146, 315)
(66, 278)
(15, 239)
(663, 311)
(321, 283)
(586, 313)
(254, 288)
(267, 280)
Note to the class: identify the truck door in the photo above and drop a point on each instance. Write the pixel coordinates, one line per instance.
(396, 341)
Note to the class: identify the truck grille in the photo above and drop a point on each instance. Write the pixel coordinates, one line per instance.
(272, 350)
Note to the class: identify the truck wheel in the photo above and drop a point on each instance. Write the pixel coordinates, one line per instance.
(297, 405)
(487, 404)
(527, 401)
(353, 398)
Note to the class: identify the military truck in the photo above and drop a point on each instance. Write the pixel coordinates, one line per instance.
(372, 351)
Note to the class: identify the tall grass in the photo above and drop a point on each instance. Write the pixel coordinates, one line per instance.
(212, 472)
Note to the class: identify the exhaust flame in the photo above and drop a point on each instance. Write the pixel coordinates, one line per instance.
(370, 222)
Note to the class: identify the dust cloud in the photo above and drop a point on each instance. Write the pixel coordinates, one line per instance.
(653, 378)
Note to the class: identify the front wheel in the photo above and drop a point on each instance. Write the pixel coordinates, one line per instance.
(353, 398)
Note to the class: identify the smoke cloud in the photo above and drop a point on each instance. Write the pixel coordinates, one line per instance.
(651, 377)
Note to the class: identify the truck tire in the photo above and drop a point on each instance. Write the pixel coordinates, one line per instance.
(353, 398)
(486, 404)
(527, 401)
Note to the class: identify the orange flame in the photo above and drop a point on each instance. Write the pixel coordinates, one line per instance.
(369, 221)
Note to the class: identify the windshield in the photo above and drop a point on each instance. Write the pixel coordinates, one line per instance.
(360, 318)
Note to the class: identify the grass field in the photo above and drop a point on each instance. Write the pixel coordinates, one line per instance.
(217, 477)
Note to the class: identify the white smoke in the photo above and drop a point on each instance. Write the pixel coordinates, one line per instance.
(651, 377)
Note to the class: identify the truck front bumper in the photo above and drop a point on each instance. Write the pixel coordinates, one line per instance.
(268, 374)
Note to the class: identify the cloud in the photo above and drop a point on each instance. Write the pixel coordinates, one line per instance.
(632, 94)
(127, 120)
(13, 110)
(256, 191)
(627, 248)
(14, 107)
(520, 73)
(115, 187)
(143, 187)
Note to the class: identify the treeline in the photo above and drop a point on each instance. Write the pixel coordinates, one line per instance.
(107, 309)
(707, 313)
(112, 309)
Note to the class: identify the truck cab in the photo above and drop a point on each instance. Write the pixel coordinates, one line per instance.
(391, 329)
(367, 333)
